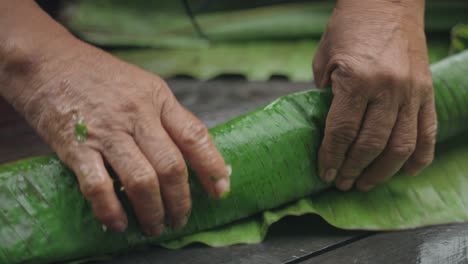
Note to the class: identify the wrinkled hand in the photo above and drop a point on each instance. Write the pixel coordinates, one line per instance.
(94, 109)
(382, 118)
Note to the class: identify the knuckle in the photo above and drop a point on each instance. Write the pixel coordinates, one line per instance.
(69, 156)
(113, 144)
(194, 134)
(422, 162)
(161, 92)
(129, 106)
(107, 144)
(428, 138)
(171, 165)
(144, 130)
(93, 186)
(343, 133)
(159, 83)
(393, 77)
(370, 145)
(141, 181)
(402, 150)
(345, 71)
(424, 82)
(177, 179)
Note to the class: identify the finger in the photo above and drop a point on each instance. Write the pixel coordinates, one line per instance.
(320, 64)
(192, 138)
(170, 168)
(139, 179)
(400, 146)
(371, 141)
(97, 187)
(341, 129)
(425, 145)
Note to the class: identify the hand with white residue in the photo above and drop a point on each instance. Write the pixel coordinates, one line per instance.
(94, 110)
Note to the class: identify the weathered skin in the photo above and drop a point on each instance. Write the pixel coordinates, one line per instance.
(133, 121)
(374, 55)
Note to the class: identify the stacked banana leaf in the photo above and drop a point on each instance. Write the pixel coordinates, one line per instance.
(234, 37)
(44, 218)
(459, 38)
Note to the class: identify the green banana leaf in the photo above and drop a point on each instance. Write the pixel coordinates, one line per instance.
(44, 218)
(256, 60)
(161, 23)
(166, 24)
(459, 38)
(257, 43)
(437, 196)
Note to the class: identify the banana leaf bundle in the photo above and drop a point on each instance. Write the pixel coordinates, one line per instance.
(252, 38)
(44, 218)
(256, 60)
(165, 23)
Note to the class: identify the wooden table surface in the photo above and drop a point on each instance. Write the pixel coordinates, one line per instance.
(306, 239)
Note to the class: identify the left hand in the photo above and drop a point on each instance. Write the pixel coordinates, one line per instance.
(374, 55)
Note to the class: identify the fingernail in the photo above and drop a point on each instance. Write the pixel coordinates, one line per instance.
(119, 226)
(156, 230)
(222, 187)
(345, 185)
(364, 187)
(330, 175)
(229, 170)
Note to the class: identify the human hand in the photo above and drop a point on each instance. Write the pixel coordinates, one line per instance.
(382, 117)
(94, 109)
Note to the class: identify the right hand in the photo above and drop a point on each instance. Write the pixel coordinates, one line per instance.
(134, 123)
(373, 54)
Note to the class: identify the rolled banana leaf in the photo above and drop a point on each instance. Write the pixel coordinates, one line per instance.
(44, 218)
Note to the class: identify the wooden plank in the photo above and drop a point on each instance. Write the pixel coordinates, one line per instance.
(17, 139)
(289, 240)
(441, 244)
